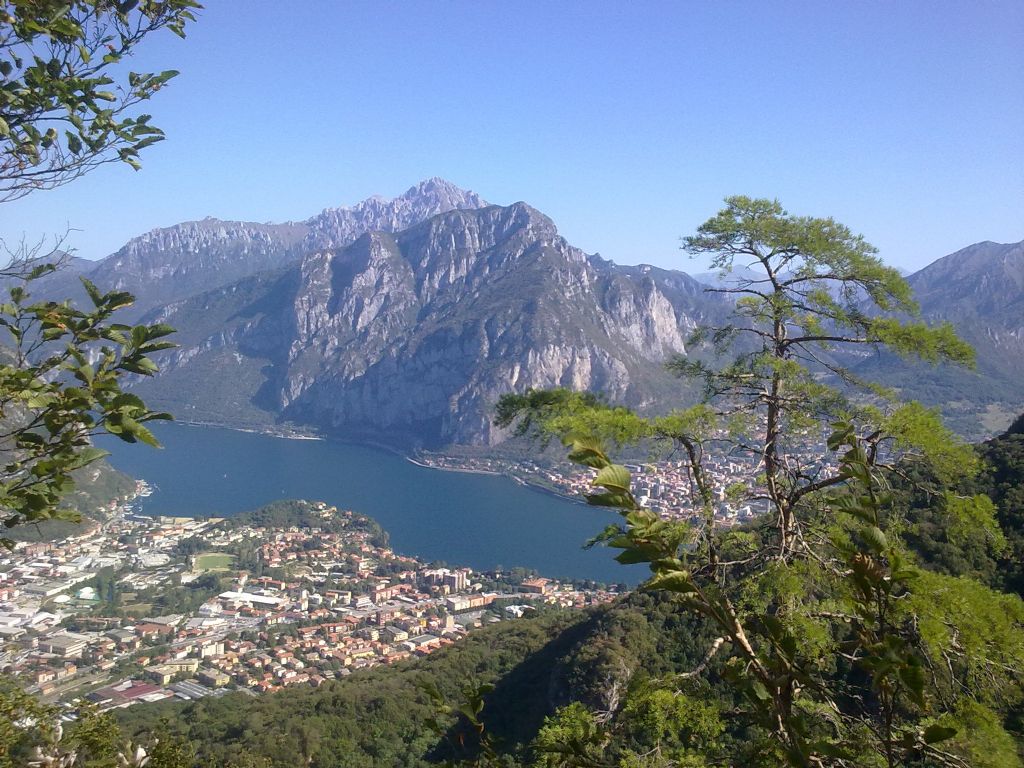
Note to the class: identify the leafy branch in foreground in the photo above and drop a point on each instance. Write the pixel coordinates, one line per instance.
(61, 370)
(62, 113)
(829, 653)
(837, 647)
(67, 106)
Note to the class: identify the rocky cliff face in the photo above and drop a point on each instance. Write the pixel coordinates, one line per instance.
(337, 227)
(409, 318)
(175, 262)
(418, 333)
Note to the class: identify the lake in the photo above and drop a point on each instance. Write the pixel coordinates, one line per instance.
(481, 521)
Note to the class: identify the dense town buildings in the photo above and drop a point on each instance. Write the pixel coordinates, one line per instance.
(263, 607)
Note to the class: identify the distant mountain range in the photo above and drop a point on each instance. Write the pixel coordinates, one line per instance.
(404, 320)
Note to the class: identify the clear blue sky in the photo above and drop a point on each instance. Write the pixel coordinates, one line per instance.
(627, 123)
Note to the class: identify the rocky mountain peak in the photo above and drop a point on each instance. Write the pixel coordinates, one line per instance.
(442, 191)
(337, 227)
(171, 263)
(984, 279)
(982, 261)
(980, 291)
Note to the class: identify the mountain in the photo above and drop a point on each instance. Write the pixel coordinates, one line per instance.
(715, 278)
(414, 335)
(176, 262)
(337, 227)
(980, 290)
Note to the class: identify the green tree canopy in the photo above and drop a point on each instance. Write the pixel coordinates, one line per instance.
(829, 634)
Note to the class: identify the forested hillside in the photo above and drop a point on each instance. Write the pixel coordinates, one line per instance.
(951, 548)
(379, 717)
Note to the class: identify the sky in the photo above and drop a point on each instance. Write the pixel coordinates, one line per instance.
(626, 123)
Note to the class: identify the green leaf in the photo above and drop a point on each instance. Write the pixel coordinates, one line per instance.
(935, 733)
(131, 430)
(40, 400)
(759, 691)
(86, 456)
(148, 141)
(586, 451)
(632, 556)
(614, 477)
(616, 500)
(132, 401)
(679, 582)
(875, 538)
(912, 675)
(157, 346)
(158, 330)
(143, 366)
(94, 293)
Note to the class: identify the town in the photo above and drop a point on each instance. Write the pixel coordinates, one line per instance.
(664, 486)
(141, 609)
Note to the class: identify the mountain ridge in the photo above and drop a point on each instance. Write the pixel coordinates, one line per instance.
(167, 264)
(980, 290)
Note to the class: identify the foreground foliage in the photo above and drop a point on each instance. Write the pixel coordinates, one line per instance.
(31, 734)
(61, 384)
(841, 649)
(66, 107)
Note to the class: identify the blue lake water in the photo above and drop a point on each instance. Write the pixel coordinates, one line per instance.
(481, 521)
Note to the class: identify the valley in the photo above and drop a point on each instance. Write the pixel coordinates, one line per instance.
(678, 424)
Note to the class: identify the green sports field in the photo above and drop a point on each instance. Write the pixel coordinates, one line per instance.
(213, 561)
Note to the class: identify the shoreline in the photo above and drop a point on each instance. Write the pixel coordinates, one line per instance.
(464, 470)
(284, 435)
(496, 473)
(268, 432)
